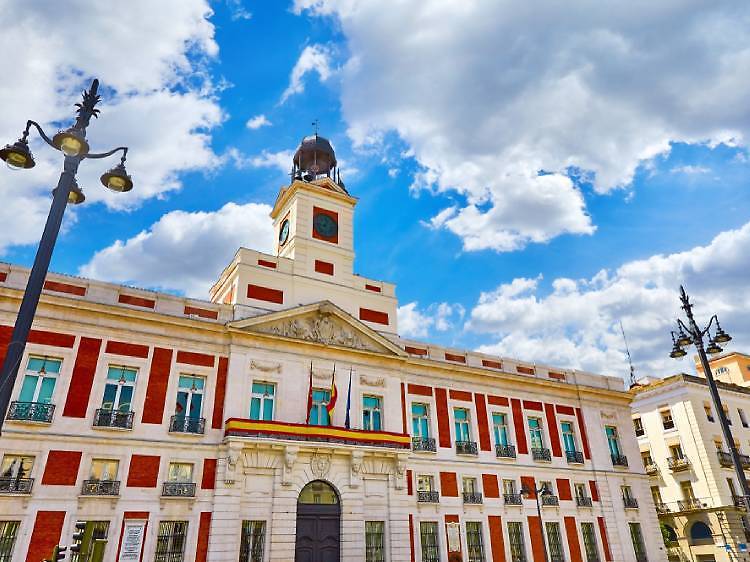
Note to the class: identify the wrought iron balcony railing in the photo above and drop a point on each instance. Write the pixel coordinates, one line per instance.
(740, 501)
(630, 503)
(100, 488)
(550, 500)
(668, 424)
(512, 499)
(178, 489)
(113, 418)
(583, 501)
(651, 469)
(31, 411)
(540, 454)
(662, 509)
(185, 424)
(428, 496)
(678, 464)
(466, 447)
(691, 504)
(574, 457)
(725, 459)
(423, 444)
(619, 460)
(505, 451)
(639, 432)
(472, 497)
(16, 485)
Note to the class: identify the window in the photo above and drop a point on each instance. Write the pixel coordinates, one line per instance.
(420, 421)
(699, 531)
(261, 403)
(461, 421)
(535, 432)
(474, 542)
(97, 530)
(638, 546)
(743, 419)
(676, 451)
(687, 490)
(500, 429)
(509, 486)
(656, 495)
(726, 415)
(613, 440)
(515, 538)
(118, 392)
(547, 485)
(190, 397)
(627, 492)
(425, 483)
(180, 472)
(318, 412)
(374, 541)
(103, 470)
(580, 490)
(170, 542)
(646, 457)
(469, 485)
(252, 541)
(39, 380)
(429, 540)
(371, 413)
(666, 419)
(8, 533)
(638, 425)
(732, 489)
(589, 542)
(554, 540)
(569, 438)
(709, 413)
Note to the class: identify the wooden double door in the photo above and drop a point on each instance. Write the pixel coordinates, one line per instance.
(318, 531)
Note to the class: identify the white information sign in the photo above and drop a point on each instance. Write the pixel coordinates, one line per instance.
(454, 537)
(132, 541)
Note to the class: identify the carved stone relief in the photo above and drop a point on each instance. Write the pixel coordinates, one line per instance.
(367, 381)
(320, 464)
(265, 367)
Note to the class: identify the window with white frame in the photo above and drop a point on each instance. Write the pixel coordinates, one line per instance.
(372, 413)
(469, 485)
(500, 429)
(319, 412)
(190, 396)
(104, 470)
(536, 433)
(428, 538)
(180, 472)
(261, 402)
(8, 533)
(170, 541)
(509, 486)
(374, 541)
(474, 541)
(613, 440)
(252, 541)
(568, 437)
(420, 421)
(589, 542)
(516, 540)
(119, 389)
(16, 466)
(39, 380)
(554, 541)
(462, 424)
(425, 483)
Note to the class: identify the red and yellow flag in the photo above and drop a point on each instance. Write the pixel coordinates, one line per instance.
(334, 395)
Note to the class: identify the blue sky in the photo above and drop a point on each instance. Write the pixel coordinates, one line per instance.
(528, 180)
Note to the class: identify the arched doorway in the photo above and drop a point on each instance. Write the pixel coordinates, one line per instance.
(318, 523)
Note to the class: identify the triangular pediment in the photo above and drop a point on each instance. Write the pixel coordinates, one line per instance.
(323, 323)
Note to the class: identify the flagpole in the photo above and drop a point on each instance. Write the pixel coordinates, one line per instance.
(309, 396)
(347, 423)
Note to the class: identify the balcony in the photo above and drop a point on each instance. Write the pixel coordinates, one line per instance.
(427, 496)
(113, 418)
(472, 497)
(583, 501)
(505, 451)
(740, 501)
(725, 459)
(574, 457)
(16, 485)
(662, 509)
(668, 424)
(512, 499)
(541, 454)
(630, 503)
(639, 432)
(273, 430)
(423, 444)
(690, 504)
(550, 500)
(184, 424)
(466, 447)
(678, 464)
(178, 489)
(619, 460)
(31, 412)
(100, 488)
(651, 469)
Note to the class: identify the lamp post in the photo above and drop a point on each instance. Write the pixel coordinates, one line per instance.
(543, 491)
(73, 144)
(691, 333)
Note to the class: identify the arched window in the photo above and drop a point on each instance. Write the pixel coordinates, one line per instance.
(670, 535)
(318, 492)
(700, 531)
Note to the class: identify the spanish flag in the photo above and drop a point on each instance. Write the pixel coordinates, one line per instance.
(334, 395)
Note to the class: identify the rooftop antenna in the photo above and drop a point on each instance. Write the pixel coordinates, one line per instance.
(627, 351)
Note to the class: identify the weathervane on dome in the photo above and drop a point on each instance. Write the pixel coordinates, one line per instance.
(316, 124)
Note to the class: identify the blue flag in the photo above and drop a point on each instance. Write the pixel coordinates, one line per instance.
(347, 423)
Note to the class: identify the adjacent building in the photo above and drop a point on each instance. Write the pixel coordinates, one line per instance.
(693, 482)
(188, 430)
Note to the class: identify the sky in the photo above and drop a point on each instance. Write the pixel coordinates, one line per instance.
(531, 176)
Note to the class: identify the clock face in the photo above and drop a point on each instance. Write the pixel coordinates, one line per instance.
(284, 232)
(325, 226)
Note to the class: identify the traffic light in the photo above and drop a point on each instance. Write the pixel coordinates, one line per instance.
(59, 553)
(78, 537)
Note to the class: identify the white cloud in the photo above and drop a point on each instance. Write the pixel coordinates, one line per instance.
(486, 94)
(157, 96)
(690, 170)
(576, 324)
(314, 58)
(238, 10)
(257, 122)
(183, 251)
(440, 317)
(281, 160)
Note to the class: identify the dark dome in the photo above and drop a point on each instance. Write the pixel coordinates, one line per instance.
(315, 154)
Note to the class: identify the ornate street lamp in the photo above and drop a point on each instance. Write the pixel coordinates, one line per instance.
(691, 334)
(543, 491)
(73, 144)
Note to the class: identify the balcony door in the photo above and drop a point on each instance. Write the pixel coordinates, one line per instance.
(318, 524)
